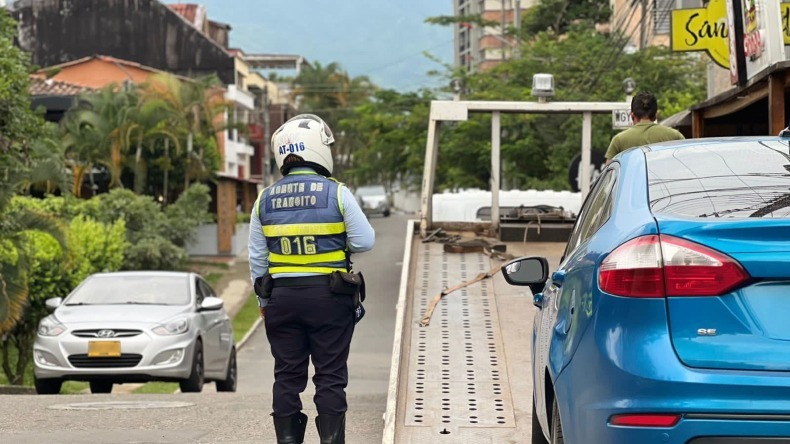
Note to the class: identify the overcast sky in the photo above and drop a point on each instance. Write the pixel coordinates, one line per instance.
(383, 39)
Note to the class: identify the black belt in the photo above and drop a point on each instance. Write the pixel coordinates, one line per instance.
(304, 281)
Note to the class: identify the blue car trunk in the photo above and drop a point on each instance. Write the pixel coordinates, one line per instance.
(747, 328)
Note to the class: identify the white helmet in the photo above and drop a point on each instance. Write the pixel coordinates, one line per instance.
(305, 136)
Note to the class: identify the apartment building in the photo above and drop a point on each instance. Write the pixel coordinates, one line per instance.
(646, 22)
(478, 48)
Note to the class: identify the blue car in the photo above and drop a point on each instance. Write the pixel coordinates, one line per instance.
(668, 319)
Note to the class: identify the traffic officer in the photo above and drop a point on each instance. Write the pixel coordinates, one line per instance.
(303, 228)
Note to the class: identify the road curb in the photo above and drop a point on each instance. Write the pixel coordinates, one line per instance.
(249, 333)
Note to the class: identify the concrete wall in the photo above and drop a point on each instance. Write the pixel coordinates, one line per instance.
(406, 201)
(206, 242)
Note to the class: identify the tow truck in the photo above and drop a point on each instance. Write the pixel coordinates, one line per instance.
(462, 374)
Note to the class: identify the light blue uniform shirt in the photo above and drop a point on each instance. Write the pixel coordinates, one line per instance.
(359, 233)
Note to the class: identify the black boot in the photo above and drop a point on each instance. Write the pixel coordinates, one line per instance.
(290, 429)
(331, 428)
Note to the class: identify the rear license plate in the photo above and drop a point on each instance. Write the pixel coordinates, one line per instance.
(104, 349)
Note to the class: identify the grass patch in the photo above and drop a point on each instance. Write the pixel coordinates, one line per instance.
(73, 387)
(244, 319)
(13, 354)
(213, 278)
(157, 387)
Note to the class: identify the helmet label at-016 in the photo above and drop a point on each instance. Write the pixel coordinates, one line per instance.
(292, 148)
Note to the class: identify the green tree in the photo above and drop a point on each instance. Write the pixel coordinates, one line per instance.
(388, 136)
(18, 124)
(559, 16)
(587, 66)
(331, 93)
(98, 133)
(190, 114)
(22, 165)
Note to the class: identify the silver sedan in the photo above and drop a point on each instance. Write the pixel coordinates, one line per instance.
(136, 327)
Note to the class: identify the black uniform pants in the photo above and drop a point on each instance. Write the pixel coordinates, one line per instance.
(303, 323)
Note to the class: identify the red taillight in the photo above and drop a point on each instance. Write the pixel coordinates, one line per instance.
(694, 270)
(645, 420)
(656, 266)
(634, 269)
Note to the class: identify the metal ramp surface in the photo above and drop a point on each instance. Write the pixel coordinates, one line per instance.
(466, 377)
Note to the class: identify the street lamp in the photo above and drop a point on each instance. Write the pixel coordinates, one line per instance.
(629, 86)
(457, 85)
(543, 86)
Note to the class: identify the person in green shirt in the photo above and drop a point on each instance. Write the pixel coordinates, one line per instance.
(644, 112)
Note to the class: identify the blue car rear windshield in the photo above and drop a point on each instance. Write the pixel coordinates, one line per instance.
(132, 289)
(722, 180)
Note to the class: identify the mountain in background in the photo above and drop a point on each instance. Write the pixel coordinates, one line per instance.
(382, 39)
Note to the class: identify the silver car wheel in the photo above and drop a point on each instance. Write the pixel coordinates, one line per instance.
(194, 384)
(231, 377)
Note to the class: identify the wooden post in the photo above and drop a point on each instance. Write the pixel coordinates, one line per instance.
(776, 103)
(697, 124)
(226, 215)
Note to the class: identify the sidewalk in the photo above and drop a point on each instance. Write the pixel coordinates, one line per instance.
(235, 285)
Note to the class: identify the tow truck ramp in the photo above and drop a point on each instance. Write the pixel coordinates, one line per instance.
(466, 376)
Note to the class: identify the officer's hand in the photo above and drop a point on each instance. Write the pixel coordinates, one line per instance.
(263, 312)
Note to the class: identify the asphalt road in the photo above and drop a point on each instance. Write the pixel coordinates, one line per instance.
(241, 417)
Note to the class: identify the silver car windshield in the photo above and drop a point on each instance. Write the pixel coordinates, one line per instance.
(130, 289)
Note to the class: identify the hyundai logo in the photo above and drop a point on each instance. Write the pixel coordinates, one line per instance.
(106, 334)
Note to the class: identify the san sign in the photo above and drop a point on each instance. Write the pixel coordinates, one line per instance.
(703, 29)
(765, 31)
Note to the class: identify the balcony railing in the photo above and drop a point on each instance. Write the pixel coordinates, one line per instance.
(240, 97)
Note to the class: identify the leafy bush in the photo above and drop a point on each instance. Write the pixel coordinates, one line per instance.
(154, 253)
(92, 247)
(95, 247)
(113, 231)
(187, 214)
(156, 238)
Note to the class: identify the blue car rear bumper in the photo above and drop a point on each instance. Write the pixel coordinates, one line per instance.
(625, 363)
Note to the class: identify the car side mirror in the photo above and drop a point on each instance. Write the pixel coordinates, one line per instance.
(531, 271)
(53, 303)
(211, 303)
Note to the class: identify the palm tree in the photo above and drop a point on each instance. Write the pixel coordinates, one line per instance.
(97, 132)
(148, 127)
(190, 113)
(14, 223)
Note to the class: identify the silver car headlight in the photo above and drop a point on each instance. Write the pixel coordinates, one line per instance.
(50, 327)
(175, 326)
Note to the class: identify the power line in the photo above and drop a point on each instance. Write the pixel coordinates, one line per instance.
(401, 60)
(618, 50)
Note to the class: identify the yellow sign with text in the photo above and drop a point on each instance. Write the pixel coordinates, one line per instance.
(786, 22)
(704, 29)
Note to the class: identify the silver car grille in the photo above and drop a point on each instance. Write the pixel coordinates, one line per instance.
(95, 333)
(125, 360)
